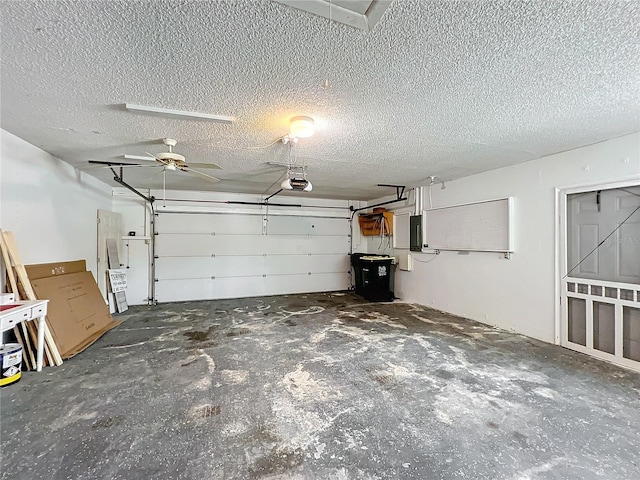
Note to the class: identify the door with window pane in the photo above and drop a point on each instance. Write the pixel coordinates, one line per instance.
(601, 293)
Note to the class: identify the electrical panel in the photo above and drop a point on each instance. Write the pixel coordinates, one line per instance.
(415, 234)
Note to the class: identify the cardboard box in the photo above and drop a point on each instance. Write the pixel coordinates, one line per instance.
(44, 270)
(77, 314)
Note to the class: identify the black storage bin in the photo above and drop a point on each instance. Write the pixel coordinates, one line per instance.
(374, 273)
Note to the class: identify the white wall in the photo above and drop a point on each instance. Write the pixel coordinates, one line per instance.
(49, 206)
(516, 294)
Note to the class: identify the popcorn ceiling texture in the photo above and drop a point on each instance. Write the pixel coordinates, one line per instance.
(437, 88)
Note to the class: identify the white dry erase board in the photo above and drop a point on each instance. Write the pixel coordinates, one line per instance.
(480, 227)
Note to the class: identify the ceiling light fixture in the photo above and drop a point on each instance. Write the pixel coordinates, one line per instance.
(302, 127)
(178, 113)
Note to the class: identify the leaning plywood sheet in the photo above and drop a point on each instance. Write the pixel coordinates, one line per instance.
(77, 313)
(114, 265)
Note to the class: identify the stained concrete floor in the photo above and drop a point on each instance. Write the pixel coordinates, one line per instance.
(321, 386)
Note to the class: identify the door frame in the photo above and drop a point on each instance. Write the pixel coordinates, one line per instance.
(561, 194)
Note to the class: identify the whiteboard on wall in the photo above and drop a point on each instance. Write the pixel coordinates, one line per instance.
(480, 227)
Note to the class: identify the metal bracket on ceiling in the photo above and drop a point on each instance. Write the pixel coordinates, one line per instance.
(120, 179)
(399, 198)
(399, 189)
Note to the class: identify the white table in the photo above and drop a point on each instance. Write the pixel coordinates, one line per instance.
(23, 311)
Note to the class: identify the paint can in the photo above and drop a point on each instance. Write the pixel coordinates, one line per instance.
(11, 361)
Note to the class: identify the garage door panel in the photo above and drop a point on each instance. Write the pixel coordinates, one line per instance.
(208, 224)
(305, 245)
(174, 245)
(237, 287)
(311, 283)
(207, 245)
(184, 267)
(184, 290)
(210, 267)
(307, 226)
(233, 266)
(307, 263)
(290, 264)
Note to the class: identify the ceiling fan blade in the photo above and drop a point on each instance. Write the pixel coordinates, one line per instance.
(202, 174)
(153, 157)
(104, 164)
(204, 165)
(280, 164)
(140, 158)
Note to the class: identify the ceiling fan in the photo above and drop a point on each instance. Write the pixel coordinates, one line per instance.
(170, 161)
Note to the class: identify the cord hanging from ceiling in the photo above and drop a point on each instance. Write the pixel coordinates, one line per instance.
(325, 82)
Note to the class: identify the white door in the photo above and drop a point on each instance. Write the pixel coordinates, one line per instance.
(601, 299)
(135, 256)
(109, 227)
(216, 255)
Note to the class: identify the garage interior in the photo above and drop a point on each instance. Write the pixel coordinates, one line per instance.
(256, 164)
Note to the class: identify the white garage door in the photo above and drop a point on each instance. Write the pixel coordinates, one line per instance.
(217, 255)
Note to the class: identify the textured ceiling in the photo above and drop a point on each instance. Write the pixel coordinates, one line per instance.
(436, 88)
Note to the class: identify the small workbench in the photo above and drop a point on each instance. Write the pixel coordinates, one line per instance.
(12, 313)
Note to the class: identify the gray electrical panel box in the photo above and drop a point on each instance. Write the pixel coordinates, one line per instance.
(415, 234)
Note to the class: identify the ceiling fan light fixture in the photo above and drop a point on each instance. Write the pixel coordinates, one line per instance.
(171, 157)
(302, 127)
(171, 166)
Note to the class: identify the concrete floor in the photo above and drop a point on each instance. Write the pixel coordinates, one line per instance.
(320, 386)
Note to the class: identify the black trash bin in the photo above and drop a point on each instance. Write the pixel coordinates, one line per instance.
(357, 268)
(373, 274)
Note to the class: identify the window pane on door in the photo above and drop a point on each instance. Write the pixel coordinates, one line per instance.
(603, 235)
(631, 333)
(604, 327)
(577, 321)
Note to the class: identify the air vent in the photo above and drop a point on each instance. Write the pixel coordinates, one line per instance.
(362, 14)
